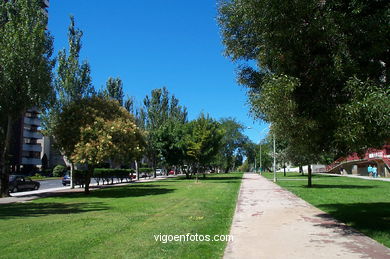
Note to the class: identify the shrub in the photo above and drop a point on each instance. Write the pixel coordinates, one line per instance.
(59, 171)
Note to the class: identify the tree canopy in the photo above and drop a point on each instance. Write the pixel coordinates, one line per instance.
(306, 53)
(25, 69)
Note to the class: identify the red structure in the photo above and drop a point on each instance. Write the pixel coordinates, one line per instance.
(355, 164)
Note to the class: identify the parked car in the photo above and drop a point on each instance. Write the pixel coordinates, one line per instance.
(21, 183)
(171, 172)
(159, 171)
(65, 180)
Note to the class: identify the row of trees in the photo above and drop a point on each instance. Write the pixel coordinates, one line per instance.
(90, 126)
(321, 74)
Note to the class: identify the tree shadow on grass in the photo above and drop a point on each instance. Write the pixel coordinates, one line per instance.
(215, 178)
(15, 210)
(341, 186)
(125, 191)
(366, 217)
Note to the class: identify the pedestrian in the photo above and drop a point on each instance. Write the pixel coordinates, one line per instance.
(369, 170)
(375, 172)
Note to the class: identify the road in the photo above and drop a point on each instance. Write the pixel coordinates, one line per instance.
(49, 184)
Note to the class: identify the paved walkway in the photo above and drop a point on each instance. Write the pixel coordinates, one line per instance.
(32, 195)
(271, 222)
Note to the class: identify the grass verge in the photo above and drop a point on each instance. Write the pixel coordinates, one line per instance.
(121, 222)
(361, 204)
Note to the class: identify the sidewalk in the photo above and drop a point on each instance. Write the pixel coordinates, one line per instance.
(271, 222)
(32, 195)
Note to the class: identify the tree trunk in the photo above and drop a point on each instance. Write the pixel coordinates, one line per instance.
(4, 163)
(284, 169)
(136, 170)
(87, 179)
(309, 176)
(300, 170)
(72, 183)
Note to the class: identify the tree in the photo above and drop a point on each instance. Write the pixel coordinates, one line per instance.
(203, 141)
(73, 79)
(25, 69)
(81, 122)
(114, 87)
(157, 110)
(119, 140)
(72, 82)
(314, 45)
(232, 142)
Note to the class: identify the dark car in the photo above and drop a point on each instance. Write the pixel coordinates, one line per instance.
(65, 180)
(21, 183)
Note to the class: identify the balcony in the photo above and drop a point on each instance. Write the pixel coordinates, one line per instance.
(32, 134)
(31, 161)
(32, 121)
(32, 147)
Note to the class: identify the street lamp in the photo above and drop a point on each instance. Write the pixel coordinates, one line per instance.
(261, 132)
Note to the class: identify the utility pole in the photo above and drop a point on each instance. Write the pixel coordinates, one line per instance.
(260, 160)
(274, 160)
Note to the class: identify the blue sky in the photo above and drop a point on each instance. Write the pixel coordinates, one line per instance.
(151, 44)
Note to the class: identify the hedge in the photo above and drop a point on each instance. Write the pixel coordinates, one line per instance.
(105, 175)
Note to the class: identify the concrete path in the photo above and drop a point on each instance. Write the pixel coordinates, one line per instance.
(271, 222)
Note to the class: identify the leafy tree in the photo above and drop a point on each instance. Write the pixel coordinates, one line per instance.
(72, 81)
(25, 69)
(158, 109)
(203, 141)
(318, 46)
(74, 121)
(232, 142)
(114, 87)
(118, 140)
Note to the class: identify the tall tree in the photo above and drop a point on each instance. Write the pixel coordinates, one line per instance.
(232, 142)
(25, 68)
(203, 141)
(114, 87)
(159, 108)
(317, 46)
(72, 82)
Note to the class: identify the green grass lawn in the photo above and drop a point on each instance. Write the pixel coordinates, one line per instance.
(362, 204)
(121, 222)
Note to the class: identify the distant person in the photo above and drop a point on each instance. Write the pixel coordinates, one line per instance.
(375, 172)
(369, 170)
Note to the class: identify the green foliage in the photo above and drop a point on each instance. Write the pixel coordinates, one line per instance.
(162, 117)
(25, 69)
(232, 143)
(367, 114)
(114, 88)
(25, 46)
(306, 52)
(145, 170)
(107, 174)
(73, 80)
(203, 140)
(59, 170)
(79, 115)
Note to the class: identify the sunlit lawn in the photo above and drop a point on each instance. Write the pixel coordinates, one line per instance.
(121, 222)
(362, 204)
